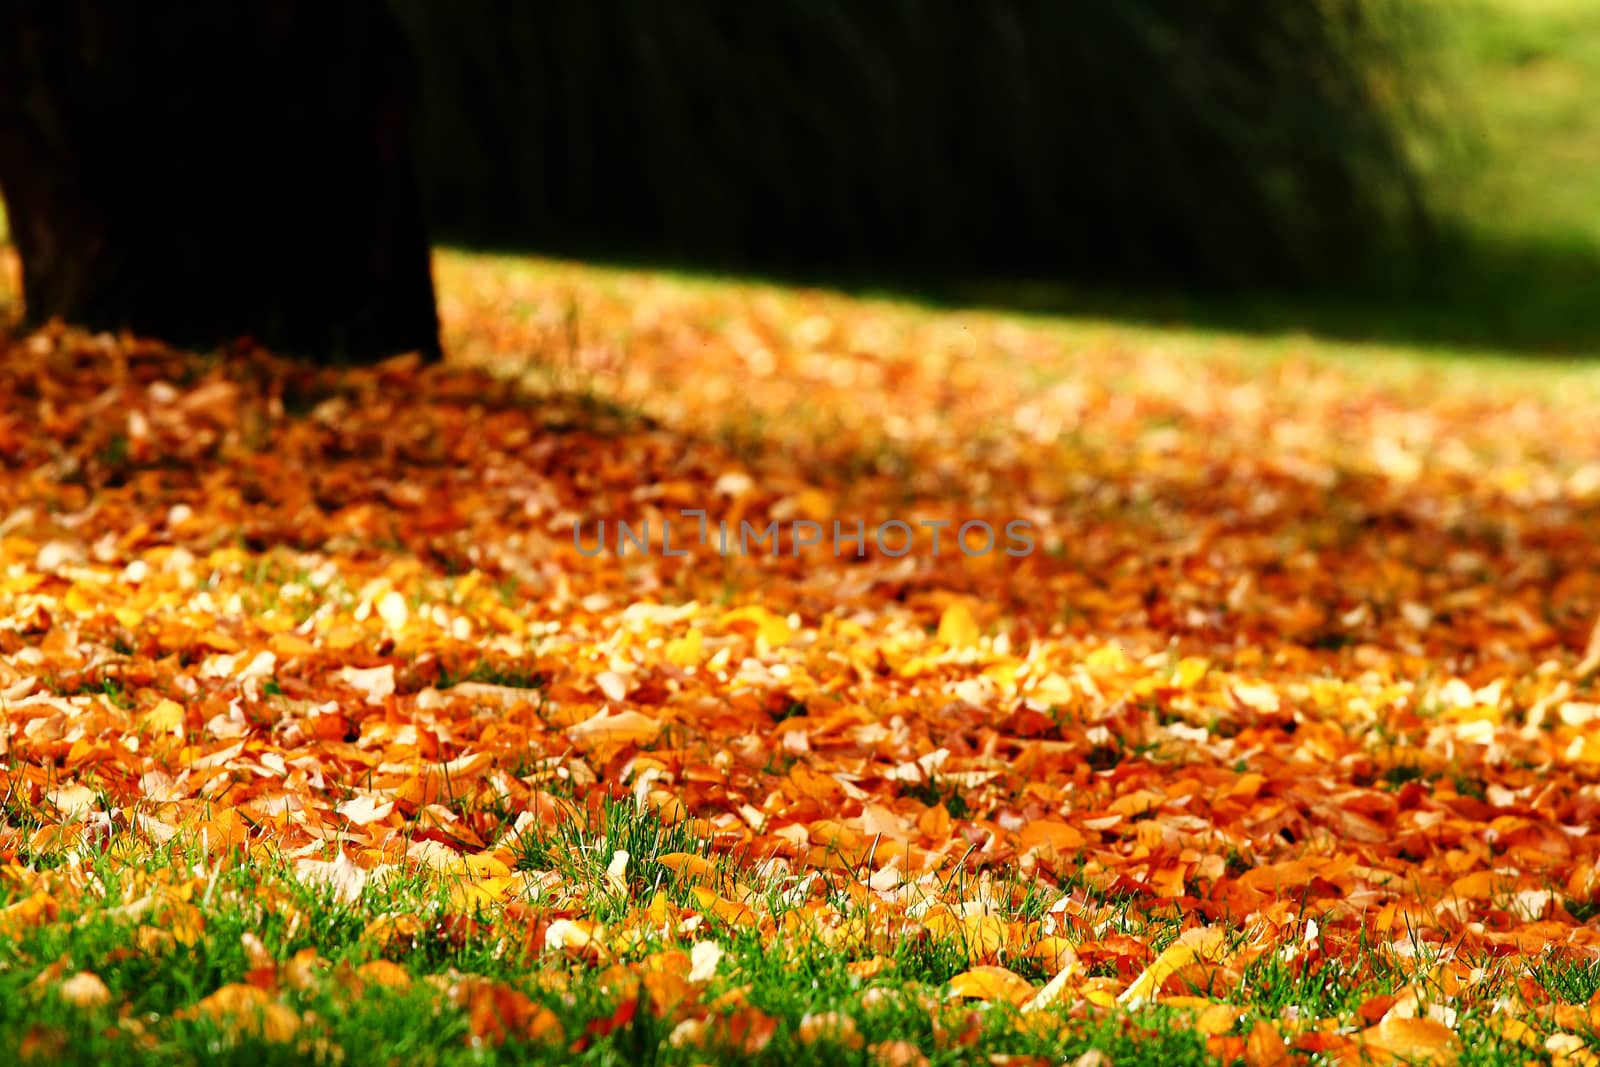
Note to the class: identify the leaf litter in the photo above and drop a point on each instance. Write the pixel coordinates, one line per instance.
(1296, 687)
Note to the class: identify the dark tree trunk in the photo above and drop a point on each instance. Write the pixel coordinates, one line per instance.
(202, 173)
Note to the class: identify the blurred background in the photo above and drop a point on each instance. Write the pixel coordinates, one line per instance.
(1424, 172)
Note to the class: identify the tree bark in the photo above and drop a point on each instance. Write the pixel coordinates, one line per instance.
(202, 173)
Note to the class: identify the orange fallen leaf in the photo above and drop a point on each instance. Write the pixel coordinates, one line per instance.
(621, 728)
(834, 1027)
(991, 983)
(249, 1012)
(1264, 1047)
(1411, 1039)
(772, 629)
(384, 973)
(1199, 944)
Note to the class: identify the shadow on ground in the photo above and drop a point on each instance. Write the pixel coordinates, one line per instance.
(1532, 298)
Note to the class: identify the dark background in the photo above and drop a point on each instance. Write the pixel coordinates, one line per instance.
(1422, 172)
(1211, 143)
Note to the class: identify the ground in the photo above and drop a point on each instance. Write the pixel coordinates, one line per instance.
(324, 738)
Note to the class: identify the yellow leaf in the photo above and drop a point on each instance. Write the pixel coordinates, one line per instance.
(1413, 1040)
(1106, 658)
(303, 970)
(485, 865)
(613, 685)
(342, 636)
(466, 896)
(1136, 803)
(1480, 885)
(1192, 945)
(393, 611)
(166, 717)
(339, 874)
(183, 921)
(957, 627)
(686, 651)
(73, 801)
(773, 629)
(812, 503)
(78, 602)
(1053, 953)
(390, 930)
(1261, 698)
(1100, 998)
(868, 968)
(217, 642)
(1055, 988)
(617, 871)
(1519, 1031)
(991, 983)
(984, 935)
(1189, 671)
(897, 1054)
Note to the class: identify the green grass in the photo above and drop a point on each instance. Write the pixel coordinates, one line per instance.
(1532, 68)
(581, 853)
(491, 674)
(192, 949)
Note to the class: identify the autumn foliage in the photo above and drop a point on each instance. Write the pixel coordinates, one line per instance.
(1297, 687)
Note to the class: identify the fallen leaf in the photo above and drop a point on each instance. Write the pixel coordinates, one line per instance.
(957, 627)
(1199, 944)
(1411, 1040)
(991, 983)
(84, 990)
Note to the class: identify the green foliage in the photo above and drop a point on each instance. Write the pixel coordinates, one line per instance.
(1216, 142)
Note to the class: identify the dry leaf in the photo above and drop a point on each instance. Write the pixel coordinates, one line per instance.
(250, 1013)
(1411, 1040)
(338, 874)
(622, 728)
(991, 983)
(957, 628)
(1192, 945)
(84, 990)
(374, 683)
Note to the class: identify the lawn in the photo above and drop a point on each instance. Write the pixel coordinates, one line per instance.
(327, 738)
(1533, 67)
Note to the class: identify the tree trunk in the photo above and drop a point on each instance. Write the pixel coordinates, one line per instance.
(202, 173)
